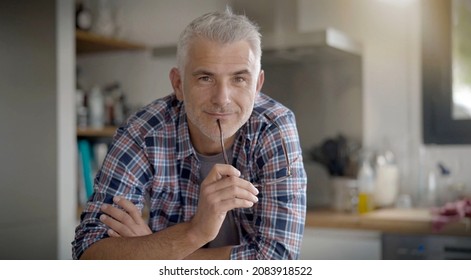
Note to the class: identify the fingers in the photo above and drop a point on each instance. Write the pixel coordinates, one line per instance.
(229, 193)
(117, 214)
(113, 233)
(233, 187)
(125, 223)
(220, 172)
(234, 191)
(115, 226)
(224, 185)
(130, 208)
(130, 215)
(232, 203)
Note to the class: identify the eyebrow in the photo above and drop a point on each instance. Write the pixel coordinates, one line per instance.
(242, 72)
(202, 72)
(208, 73)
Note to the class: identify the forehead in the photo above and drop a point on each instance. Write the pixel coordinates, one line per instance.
(207, 53)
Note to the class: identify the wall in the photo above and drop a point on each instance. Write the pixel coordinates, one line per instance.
(325, 94)
(28, 175)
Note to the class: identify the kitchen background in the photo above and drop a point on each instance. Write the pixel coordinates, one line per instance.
(371, 94)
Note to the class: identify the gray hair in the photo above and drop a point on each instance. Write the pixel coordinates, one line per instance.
(222, 27)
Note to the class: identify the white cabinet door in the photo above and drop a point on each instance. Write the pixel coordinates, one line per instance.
(339, 244)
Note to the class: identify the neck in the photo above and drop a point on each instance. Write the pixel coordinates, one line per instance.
(209, 147)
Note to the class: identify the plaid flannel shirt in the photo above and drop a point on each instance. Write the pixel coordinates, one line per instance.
(152, 156)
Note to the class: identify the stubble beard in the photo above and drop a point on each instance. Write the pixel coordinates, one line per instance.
(211, 130)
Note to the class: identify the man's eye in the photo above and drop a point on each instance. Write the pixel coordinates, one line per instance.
(204, 79)
(239, 79)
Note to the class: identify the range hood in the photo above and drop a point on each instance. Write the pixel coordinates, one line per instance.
(323, 45)
(282, 41)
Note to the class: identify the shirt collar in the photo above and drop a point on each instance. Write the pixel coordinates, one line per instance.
(184, 146)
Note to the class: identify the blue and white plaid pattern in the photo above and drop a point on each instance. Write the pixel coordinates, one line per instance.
(152, 156)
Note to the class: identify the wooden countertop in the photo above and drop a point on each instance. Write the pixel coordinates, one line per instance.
(405, 221)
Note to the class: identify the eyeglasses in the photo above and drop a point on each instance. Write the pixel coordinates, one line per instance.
(283, 146)
(226, 161)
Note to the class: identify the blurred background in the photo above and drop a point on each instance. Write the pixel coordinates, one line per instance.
(383, 124)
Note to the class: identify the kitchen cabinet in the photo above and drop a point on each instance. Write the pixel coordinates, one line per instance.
(425, 247)
(340, 244)
(383, 233)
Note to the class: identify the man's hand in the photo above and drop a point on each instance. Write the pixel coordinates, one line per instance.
(128, 223)
(221, 191)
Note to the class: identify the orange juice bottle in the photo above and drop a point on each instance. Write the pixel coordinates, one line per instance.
(366, 184)
(365, 202)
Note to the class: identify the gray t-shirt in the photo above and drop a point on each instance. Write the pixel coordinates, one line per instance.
(229, 233)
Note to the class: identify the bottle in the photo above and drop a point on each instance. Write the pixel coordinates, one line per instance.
(104, 24)
(387, 179)
(444, 184)
(83, 17)
(96, 104)
(430, 199)
(81, 110)
(366, 186)
(80, 101)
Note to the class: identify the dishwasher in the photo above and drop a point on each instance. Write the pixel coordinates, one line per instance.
(425, 247)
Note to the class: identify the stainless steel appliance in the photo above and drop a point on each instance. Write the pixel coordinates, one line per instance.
(425, 247)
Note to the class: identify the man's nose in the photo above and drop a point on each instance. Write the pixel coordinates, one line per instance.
(221, 94)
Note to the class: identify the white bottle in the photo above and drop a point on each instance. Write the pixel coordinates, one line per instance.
(431, 190)
(104, 24)
(96, 105)
(387, 185)
(387, 179)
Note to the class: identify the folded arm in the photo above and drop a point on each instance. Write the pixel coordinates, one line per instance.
(220, 192)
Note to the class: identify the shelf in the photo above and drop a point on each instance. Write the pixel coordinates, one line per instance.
(87, 42)
(107, 131)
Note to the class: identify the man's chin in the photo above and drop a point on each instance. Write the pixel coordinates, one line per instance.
(216, 137)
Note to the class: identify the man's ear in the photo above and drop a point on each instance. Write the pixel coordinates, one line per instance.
(177, 83)
(261, 79)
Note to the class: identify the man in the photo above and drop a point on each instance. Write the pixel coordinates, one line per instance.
(219, 162)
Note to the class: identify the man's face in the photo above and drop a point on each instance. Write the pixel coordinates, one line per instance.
(221, 82)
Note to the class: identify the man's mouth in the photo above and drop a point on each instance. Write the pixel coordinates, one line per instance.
(220, 115)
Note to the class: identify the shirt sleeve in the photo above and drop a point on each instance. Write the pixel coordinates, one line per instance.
(274, 227)
(124, 172)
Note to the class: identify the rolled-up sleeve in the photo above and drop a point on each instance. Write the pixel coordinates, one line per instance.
(123, 173)
(273, 228)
